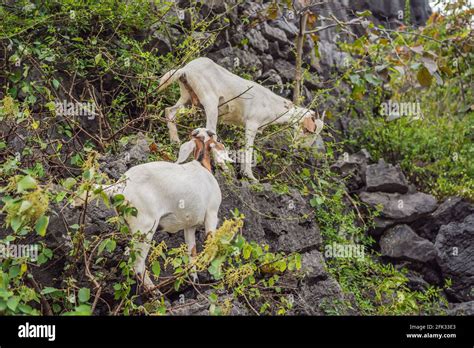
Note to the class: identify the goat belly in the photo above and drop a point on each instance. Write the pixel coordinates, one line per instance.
(173, 223)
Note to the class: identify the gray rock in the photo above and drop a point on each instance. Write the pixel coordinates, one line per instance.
(274, 34)
(252, 9)
(290, 29)
(354, 166)
(217, 6)
(382, 224)
(275, 51)
(312, 265)
(420, 11)
(200, 305)
(400, 242)
(416, 282)
(272, 80)
(285, 69)
(453, 209)
(133, 153)
(160, 43)
(264, 210)
(267, 61)
(465, 308)
(257, 41)
(455, 244)
(321, 298)
(313, 81)
(400, 207)
(247, 59)
(385, 177)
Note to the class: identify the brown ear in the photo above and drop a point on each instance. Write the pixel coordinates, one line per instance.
(198, 150)
(309, 124)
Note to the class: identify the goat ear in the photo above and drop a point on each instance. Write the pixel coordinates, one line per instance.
(309, 124)
(220, 154)
(319, 124)
(185, 150)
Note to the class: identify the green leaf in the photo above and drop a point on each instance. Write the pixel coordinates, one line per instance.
(316, 201)
(84, 295)
(247, 251)
(55, 84)
(69, 183)
(24, 308)
(355, 79)
(424, 77)
(13, 302)
(298, 261)
(80, 310)
(111, 245)
(108, 244)
(98, 58)
(26, 183)
(16, 223)
(49, 290)
(14, 271)
(25, 205)
(156, 268)
(372, 79)
(41, 225)
(118, 199)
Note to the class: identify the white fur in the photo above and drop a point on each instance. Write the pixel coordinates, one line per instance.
(173, 197)
(214, 85)
(170, 196)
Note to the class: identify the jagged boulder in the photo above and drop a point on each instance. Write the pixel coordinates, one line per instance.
(312, 265)
(353, 166)
(285, 69)
(288, 27)
(465, 308)
(453, 209)
(400, 207)
(231, 58)
(386, 178)
(274, 34)
(284, 221)
(455, 244)
(401, 242)
(133, 153)
(272, 79)
(199, 305)
(257, 41)
(321, 297)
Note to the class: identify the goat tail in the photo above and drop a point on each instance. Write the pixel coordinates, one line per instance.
(167, 79)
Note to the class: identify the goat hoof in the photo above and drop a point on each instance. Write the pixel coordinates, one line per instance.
(251, 177)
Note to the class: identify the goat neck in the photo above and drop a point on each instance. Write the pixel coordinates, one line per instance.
(293, 114)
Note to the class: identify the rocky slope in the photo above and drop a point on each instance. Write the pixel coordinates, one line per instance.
(286, 223)
(434, 240)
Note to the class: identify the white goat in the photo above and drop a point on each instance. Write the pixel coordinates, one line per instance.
(235, 101)
(172, 197)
